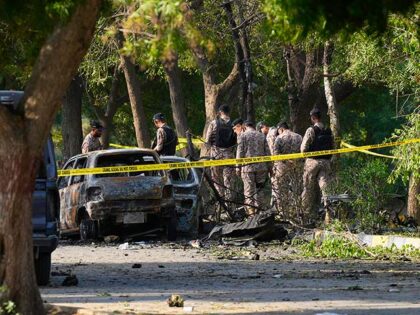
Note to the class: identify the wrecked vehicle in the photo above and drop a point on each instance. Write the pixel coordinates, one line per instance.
(186, 183)
(129, 203)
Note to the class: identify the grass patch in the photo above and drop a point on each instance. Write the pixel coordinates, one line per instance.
(342, 248)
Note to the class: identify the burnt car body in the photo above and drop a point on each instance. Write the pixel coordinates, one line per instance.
(45, 201)
(101, 204)
(186, 183)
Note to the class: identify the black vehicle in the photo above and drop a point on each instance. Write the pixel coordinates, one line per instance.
(45, 202)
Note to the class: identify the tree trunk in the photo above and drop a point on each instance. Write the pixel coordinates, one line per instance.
(71, 128)
(26, 132)
(329, 91)
(213, 92)
(239, 58)
(243, 59)
(413, 203)
(249, 103)
(134, 93)
(177, 98)
(111, 108)
(303, 86)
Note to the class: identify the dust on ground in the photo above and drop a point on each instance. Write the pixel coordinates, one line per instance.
(268, 279)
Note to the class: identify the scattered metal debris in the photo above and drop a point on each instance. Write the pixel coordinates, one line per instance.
(260, 227)
(175, 301)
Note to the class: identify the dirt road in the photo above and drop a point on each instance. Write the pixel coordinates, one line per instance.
(274, 284)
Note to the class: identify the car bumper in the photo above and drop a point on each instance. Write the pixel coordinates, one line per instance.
(45, 244)
(101, 210)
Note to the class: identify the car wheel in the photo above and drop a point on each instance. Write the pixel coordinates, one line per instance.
(171, 229)
(43, 268)
(88, 229)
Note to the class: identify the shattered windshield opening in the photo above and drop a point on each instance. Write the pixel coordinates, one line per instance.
(181, 176)
(127, 159)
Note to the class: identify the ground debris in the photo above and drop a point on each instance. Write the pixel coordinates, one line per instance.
(196, 244)
(70, 281)
(111, 238)
(175, 300)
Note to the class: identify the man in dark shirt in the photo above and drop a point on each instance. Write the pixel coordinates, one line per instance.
(166, 138)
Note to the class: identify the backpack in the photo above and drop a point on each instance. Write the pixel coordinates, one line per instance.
(324, 140)
(225, 137)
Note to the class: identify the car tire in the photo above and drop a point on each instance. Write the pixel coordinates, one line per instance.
(88, 229)
(171, 228)
(43, 268)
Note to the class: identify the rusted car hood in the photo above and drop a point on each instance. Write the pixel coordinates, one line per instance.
(130, 188)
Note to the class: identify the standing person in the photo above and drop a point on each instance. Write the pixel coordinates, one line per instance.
(222, 139)
(317, 170)
(286, 171)
(166, 139)
(252, 144)
(91, 141)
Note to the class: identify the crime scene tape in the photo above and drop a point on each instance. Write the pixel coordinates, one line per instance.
(226, 162)
(182, 143)
(347, 145)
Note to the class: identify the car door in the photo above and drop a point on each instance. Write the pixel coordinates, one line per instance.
(76, 192)
(65, 200)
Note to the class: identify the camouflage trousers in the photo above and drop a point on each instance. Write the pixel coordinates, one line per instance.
(288, 182)
(223, 176)
(317, 173)
(253, 190)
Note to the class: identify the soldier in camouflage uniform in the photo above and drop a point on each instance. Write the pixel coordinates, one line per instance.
(91, 141)
(285, 171)
(238, 127)
(263, 127)
(317, 170)
(254, 176)
(222, 140)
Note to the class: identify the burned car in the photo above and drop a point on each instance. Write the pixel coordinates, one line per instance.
(186, 183)
(116, 203)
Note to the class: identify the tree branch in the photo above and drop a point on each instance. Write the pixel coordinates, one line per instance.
(56, 66)
(230, 81)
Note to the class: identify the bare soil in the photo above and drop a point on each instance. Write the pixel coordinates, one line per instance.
(226, 281)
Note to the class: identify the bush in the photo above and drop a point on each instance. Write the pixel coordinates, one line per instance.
(365, 179)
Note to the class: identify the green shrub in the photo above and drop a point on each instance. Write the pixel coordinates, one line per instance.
(365, 179)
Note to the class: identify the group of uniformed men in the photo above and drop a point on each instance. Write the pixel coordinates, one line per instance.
(261, 140)
(228, 139)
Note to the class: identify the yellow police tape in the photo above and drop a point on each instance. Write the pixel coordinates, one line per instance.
(226, 162)
(182, 143)
(347, 145)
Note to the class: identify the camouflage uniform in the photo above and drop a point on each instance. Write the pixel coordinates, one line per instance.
(222, 176)
(160, 139)
(316, 172)
(285, 171)
(91, 143)
(271, 138)
(251, 144)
